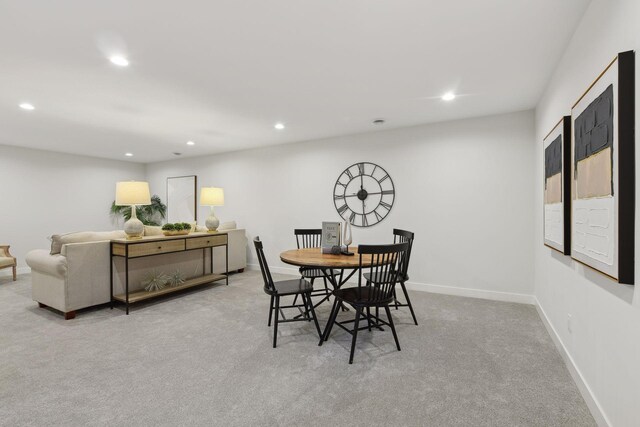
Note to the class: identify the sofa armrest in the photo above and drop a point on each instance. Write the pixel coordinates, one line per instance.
(87, 273)
(42, 261)
(4, 252)
(237, 241)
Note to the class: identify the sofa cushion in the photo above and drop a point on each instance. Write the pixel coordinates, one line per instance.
(57, 241)
(41, 261)
(152, 230)
(229, 225)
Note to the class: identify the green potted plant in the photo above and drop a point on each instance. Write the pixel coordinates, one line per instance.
(178, 228)
(169, 229)
(149, 214)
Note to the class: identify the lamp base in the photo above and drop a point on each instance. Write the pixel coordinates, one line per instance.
(134, 229)
(212, 223)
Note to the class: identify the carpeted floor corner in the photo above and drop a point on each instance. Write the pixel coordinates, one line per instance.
(205, 358)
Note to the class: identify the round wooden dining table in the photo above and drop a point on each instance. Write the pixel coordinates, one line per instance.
(329, 264)
(313, 257)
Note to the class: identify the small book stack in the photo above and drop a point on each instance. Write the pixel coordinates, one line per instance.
(331, 237)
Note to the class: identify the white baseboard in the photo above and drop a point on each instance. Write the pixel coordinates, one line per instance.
(437, 289)
(591, 401)
(19, 270)
(472, 293)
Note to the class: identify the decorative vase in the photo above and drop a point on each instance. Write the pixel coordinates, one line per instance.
(346, 235)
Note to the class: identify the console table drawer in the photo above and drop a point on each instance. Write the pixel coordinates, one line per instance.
(153, 248)
(206, 242)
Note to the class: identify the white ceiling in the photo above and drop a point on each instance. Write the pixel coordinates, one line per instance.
(222, 73)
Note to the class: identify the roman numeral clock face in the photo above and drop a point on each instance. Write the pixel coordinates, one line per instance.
(364, 194)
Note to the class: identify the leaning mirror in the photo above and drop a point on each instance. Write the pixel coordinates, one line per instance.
(181, 199)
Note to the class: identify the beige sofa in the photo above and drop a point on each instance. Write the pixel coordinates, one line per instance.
(78, 276)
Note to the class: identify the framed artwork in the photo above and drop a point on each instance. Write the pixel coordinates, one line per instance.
(182, 205)
(557, 187)
(603, 172)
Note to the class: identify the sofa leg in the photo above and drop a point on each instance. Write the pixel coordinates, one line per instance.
(241, 270)
(14, 273)
(70, 315)
(41, 305)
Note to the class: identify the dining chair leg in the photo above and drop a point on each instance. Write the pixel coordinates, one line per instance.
(393, 328)
(313, 314)
(369, 318)
(355, 333)
(305, 314)
(270, 310)
(296, 297)
(275, 325)
(406, 296)
(332, 317)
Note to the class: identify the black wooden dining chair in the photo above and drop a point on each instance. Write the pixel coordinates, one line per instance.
(402, 236)
(312, 238)
(386, 261)
(285, 288)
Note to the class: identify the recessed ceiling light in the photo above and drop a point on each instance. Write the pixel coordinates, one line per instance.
(378, 122)
(279, 126)
(128, 154)
(449, 96)
(120, 61)
(191, 143)
(27, 106)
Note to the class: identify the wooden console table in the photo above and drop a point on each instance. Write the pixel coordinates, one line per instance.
(157, 245)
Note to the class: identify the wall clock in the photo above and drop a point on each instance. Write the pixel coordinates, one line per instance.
(364, 194)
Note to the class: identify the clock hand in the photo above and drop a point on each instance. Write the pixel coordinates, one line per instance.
(356, 195)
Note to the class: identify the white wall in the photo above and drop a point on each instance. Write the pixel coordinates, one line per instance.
(605, 342)
(44, 193)
(461, 186)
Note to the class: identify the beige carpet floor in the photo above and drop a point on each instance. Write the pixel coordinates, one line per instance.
(205, 358)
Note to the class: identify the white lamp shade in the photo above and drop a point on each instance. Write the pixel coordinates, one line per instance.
(212, 196)
(132, 193)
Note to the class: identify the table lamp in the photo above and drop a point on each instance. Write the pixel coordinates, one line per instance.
(132, 193)
(212, 196)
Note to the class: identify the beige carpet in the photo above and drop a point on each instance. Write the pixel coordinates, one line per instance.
(205, 358)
